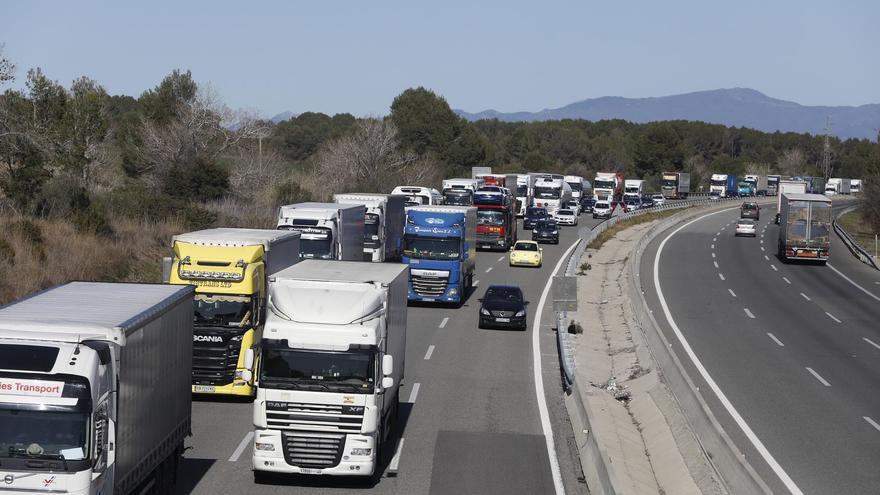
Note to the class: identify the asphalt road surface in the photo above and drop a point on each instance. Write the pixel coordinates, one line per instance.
(470, 421)
(793, 349)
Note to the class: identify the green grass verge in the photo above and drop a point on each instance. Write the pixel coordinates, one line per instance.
(856, 226)
(629, 222)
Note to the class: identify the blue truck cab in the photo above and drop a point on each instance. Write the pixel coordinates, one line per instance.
(440, 247)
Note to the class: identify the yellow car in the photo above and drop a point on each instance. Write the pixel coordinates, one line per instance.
(526, 253)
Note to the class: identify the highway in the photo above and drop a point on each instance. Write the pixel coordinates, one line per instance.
(786, 355)
(470, 423)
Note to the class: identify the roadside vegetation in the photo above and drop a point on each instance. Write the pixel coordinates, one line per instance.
(859, 228)
(608, 234)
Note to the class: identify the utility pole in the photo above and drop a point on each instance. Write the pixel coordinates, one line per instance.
(826, 152)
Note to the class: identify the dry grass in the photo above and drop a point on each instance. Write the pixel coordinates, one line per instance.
(629, 222)
(35, 254)
(856, 226)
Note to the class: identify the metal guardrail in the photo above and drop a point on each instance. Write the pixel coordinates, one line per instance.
(854, 247)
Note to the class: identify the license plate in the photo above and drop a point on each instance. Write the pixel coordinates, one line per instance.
(807, 254)
(310, 471)
(502, 320)
(428, 300)
(204, 388)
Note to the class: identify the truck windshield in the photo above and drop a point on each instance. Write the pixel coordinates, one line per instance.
(669, 182)
(722, 183)
(632, 190)
(350, 369)
(314, 242)
(603, 184)
(490, 217)
(576, 186)
(220, 310)
(371, 228)
(44, 434)
(522, 191)
(547, 192)
(432, 248)
(458, 198)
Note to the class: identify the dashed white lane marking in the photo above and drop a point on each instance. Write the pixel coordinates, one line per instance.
(476, 282)
(721, 276)
(241, 446)
(832, 317)
(766, 257)
(805, 296)
(762, 242)
(762, 248)
(430, 352)
(413, 395)
(713, 255)
(855, 284)
(728, 406)
(774, 268)
(871, 342)
(714, 239)
(445, 321)
(749, 313)
(818, 377)
(778, 342)
(786, 280)
(395, 461)
(715, 263)
(501, 258)
(732, 293)
(871, 422)
(489, 269)
(718, 233)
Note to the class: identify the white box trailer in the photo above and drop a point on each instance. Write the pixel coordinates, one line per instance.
(788, 187)
(383, 223)
(95, 387)
(332, 365)
(328, 231)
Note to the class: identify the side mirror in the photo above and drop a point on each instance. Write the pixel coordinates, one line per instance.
(249, 359)
(387, 365)
(387, 382)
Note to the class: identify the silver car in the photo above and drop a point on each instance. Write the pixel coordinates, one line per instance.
(566, 217)
(745, 226)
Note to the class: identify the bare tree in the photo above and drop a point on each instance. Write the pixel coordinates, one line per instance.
(7, 68)
(792, 162)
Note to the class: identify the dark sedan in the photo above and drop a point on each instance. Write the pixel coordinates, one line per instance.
(503, 306)
(587, 204)
(534, 215)
(546, 231)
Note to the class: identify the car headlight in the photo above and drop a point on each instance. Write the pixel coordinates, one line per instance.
(534, 231)
(521, 312)
(555, 232)
(267, 447)
(484, 312)
(361, 451)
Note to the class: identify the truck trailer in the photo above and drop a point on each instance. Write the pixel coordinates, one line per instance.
(328, 231)
(95, 388)
(383, 223)
(773, 184)
(633, 188)
(675, 185)
(440, 246)
(759, 184)
(332, 363)
(805, 227)
(788, 186)
(723, 185)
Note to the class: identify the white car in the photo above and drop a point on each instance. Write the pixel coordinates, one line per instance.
(602, 209)
(658, 199)
(745, 226)
(566, 217)
(575, 206)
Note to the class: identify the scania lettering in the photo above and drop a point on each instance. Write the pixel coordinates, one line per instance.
(496, 218)
(440, 246)
(329, 231)
(383, 223)
(94, 388)
(331, 368)
(229, 269)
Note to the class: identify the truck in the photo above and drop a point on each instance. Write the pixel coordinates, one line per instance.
(328, 231)
(477, 172)
(460, 192)
(576, 183)
(228, 268)
(330, 369)
(836, 185)
(773, 184)
(723, 185)
(608, 186)
(758, 183)
(804, 227)
(815, 185)
(95, 388)
(633, 188)
(418, 195)
(440, 246)
(496, 218)
(790, 187)
(675, 185)
(551, 193)
(745, 188)
(383, 223)
(856, 186)
(524, 190)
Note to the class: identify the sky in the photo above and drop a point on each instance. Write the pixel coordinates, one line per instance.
(333, 56)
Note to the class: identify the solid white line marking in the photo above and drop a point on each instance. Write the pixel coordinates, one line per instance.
(414, 393)
(871, 422)
(852, 282)
(786, 280)
(805, 296)
(774, 267)
(241, 446)
(766, 257)
(747, 430)
(775, 339)
(430, 352)
(489, 269)
(732, 293)
(818, 377)
(715, 263)
(721, 276)
(395, 461)
(546, 427)
(832, 317)
(501, 258)
(445, 320)
(749, 313)
(871, 342)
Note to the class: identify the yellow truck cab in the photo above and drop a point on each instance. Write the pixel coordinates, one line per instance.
(229, 268)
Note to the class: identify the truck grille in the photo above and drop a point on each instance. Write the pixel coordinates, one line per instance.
(429, 286)
(214, 363)
(311, 449)
(317, 417)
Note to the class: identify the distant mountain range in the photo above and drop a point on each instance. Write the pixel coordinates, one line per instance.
(281, 117)
(738, 107)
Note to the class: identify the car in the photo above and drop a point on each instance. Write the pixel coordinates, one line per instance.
(533, 214)
(745, 226)
(566, 217)
(546, 230)
(715, 196)
(658, 199)
(631, 203)
(587, 204)
(647, 202)
(574, 206)
(526, 253)
(750, 210)
(602, 209)
(503, 306)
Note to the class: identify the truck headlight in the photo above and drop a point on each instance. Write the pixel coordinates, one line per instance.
(266, 447)
(361, 451)
(453, 291)
(483, 311)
